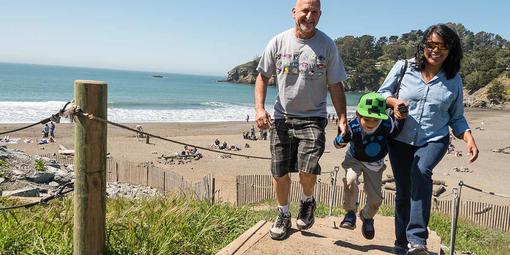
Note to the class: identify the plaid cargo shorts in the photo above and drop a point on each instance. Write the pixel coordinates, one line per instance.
(297, 144)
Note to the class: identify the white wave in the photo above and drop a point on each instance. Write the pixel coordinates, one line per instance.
(28, 112)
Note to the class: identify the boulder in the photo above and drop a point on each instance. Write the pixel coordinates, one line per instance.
(3, 153)
(41, 177)
(25, 192)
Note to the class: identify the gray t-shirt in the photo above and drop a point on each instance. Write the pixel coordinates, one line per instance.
(304, 68)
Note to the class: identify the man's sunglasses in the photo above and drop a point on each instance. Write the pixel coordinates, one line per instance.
(432, 45)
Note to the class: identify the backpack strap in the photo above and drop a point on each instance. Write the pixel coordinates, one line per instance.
(402, 73)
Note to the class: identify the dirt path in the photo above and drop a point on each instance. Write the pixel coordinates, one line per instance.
(323, 238)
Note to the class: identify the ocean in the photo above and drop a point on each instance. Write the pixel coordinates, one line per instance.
(30, 93)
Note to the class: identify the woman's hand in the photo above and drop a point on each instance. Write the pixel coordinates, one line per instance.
(472, 149)
(400, 109)
(395, 103)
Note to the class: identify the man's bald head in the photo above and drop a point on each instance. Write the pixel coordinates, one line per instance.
(306, 14)
(298, 2)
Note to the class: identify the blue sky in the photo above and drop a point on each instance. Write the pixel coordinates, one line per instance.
(205, 37)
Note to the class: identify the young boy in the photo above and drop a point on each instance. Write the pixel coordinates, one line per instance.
(367, 136)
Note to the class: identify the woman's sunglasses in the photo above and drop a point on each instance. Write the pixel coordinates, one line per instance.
(432, 45)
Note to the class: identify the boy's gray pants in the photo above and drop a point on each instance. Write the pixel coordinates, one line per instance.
(372, 182)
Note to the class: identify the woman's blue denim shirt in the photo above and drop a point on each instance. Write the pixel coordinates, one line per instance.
(432, 107)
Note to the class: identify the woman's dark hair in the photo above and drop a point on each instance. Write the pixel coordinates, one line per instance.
(451, 65)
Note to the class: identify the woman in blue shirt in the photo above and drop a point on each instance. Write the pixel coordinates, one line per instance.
(431, 87)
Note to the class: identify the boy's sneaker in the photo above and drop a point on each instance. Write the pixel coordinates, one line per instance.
(417, 249)
(367, 229)
(349, 220)
(306, 218)
(281, 226)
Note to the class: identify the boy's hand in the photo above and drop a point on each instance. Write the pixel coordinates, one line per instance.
(338, 142)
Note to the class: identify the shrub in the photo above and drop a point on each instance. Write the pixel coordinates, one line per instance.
(3, 163)
(39, 165)
(495, 92)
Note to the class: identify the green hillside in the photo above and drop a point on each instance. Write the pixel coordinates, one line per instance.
(368, 59)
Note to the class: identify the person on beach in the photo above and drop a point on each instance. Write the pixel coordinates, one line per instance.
(52, 132)
(307, 64)
(367, 135)
(433, 91)
(45, 131)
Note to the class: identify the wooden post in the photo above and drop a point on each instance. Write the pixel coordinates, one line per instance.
(333, 191)
(116, 172)
(164, 182)
(147, 176)
(213, 187)
(455, 216)
(90, 169)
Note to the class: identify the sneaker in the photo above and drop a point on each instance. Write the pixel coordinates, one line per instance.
(349, 220)
(306, 213)
(281, 226)
(400, 248)
(417, 249)
(367, 229)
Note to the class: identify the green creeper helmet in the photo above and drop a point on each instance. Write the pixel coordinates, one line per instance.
(372, 105)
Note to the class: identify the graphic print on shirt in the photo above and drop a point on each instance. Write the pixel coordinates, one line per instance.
(310, 66)
(372, 145)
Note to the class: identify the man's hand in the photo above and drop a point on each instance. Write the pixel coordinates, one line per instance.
(262, 118)
(342, 124)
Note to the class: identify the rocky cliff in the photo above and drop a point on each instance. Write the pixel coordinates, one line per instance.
(246, 73)
(495, 95)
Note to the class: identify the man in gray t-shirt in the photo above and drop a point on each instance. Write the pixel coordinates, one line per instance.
(306, 64)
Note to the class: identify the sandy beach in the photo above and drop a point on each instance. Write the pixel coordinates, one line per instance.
(490, 172)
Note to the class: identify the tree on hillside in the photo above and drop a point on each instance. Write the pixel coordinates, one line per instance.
(382, 41)
(393, 39)
(395, 51)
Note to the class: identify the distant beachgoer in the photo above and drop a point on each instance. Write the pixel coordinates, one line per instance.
(45, 131)
(223, 146)
(451, 148)
(52, 132)
(252, 133)
(247, 118)
(139, 130)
